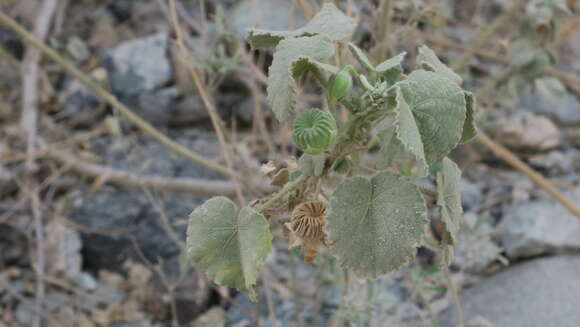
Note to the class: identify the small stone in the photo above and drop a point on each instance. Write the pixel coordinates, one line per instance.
(140, 65)
(86, 281)
(541, 227)
(528, 132)
(542, 292)
(55, 301)
(565, 109)
(25, 314)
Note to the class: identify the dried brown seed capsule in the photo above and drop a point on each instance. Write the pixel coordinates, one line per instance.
(307, 220)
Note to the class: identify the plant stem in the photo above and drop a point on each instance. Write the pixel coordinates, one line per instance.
(283, 192)
(451, 286)
(111, 99)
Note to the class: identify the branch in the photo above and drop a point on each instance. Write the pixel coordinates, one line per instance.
(111, 99)
(188, 185)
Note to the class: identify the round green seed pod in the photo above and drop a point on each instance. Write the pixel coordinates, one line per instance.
(314, 131)
(339, 85)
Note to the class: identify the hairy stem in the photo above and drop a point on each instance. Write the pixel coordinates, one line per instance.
(283, 192)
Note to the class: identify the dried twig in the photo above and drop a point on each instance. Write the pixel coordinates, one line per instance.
(112, 100)
(209, 105)
(188, 185)
(29, 124)
(515, 162)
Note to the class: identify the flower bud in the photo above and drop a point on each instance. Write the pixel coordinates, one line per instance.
(339, 85)
(314, 131)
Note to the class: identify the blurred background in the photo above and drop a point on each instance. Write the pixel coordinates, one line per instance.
(93, 211)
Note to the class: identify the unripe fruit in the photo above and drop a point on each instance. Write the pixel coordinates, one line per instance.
(339, 85)
(314, 131)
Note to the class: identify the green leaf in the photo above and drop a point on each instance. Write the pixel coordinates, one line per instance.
(400, 139)
(521, 53)
(312, 165)
(229, 246)
(449, 199)
(293, 57)
(428, 60)
(329, 22)
(361, 57)
(469, 128)
(407, 132)
(390, 68)
(263, 39)
(438, 106)
(375, 225)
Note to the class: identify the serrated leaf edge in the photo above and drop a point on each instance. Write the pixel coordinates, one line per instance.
(406, 258)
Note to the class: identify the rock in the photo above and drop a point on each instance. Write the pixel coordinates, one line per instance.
(55, 301)
(266, 14)
(555, 162)
(564, 109)
(139, 66)
(541, 227)
(13, 246)
(528, 132)
(157, 107)
(121, 9)
(471, 194)
(11, 42)
(539, 293)
(25, 313)
(86, 281)
(115, 219)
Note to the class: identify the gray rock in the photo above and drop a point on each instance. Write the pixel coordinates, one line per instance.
(564, 109)
(25, 314)
(118, 219)
(86, 281)
(539, 293)
(541, 227)
(470, 194)
(13, 246)
(55, 301)
(140, 65)
(555, 162)
(528, 132)
(266, 14)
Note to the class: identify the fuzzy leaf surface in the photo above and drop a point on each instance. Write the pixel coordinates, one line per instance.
(390, 68)
(293, 57)
(230, 246)
(428, 60)
(438, 106)
(329, 22)
(469, 129)
(449, 199)
(375, 225)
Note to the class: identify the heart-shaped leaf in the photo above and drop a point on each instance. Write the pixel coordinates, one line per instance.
(230, 246)
(375, 225)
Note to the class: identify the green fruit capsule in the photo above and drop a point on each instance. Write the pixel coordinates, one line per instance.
(314, 131)
(339, 85)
